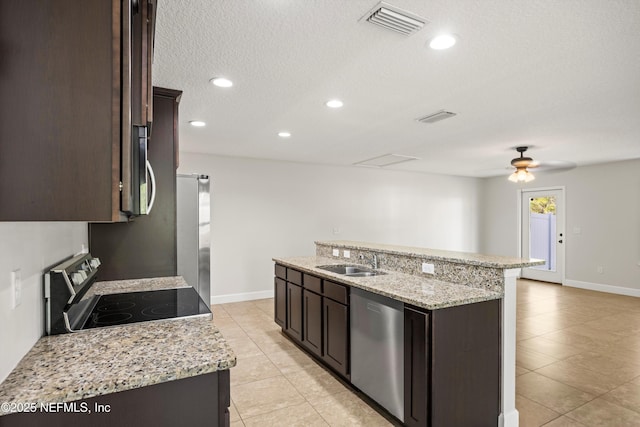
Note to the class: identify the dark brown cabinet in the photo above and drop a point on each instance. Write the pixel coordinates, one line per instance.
(317, 315)
(147, 245)
(294, 311)
(280, 301)
(202, 400)
(312, 322)
(416, 359)
(336, 335)
(75, 78)
(451, 355)
(452, 365)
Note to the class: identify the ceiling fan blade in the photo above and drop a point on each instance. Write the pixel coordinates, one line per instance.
(555, 166)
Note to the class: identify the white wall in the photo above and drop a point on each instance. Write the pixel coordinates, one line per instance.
(602, 200)
(262, 209)
(32, 247)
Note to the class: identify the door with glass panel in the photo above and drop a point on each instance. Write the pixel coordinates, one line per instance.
(542, 233)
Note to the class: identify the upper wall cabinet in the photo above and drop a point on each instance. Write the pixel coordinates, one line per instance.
(76, 108)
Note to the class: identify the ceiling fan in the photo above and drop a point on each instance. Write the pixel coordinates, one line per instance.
(524, 164)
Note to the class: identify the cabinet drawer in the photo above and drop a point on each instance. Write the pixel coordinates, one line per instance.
(312, 283)
(336, 292)
(294, 276)
(281, 271)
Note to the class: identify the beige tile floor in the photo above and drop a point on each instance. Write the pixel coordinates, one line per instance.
(577, 356)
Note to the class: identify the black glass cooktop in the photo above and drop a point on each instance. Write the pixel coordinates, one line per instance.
(133, 307)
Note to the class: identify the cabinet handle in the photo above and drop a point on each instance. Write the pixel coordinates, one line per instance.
(153, 187)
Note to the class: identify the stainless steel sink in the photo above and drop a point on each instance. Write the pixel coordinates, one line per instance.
(350, 270)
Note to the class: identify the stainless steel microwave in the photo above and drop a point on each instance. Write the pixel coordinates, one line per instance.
(139, 187)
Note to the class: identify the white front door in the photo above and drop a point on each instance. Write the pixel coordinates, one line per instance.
(542, 233)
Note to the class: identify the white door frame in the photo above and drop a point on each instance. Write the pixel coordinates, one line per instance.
(560, 222)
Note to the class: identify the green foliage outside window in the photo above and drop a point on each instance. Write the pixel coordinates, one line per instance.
(543, 205)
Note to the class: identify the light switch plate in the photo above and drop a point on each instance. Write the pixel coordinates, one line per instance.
(428, 268)
(346, 253)
(336, 252)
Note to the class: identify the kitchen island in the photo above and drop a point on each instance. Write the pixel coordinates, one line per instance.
(169, 372)
(459, 324)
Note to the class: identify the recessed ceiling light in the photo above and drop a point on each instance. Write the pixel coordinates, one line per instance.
(221, 82)
(197, 123)
(284, 134)
(334, 103)
(444, 41)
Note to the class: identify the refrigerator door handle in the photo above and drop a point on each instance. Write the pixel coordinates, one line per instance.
(153, 187)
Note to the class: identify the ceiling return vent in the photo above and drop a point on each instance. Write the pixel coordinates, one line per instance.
(385, 160)
(436, 117)
(394, 19)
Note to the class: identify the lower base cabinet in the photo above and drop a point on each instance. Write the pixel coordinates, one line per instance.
(416, 373)
(336, 336)
(315, 313)
(451, 355)
(198, 401)
(312, 328)
(452, 365)
(294, 311)
(280, 302)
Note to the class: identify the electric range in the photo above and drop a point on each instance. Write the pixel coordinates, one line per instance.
(67, 310)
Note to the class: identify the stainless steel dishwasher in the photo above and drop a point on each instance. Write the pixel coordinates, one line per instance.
(377, 349)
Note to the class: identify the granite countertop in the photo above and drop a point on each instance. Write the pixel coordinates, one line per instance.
(469, 258)
(419, 291)
(94, 362)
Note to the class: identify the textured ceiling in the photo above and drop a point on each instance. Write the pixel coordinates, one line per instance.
(561, 76)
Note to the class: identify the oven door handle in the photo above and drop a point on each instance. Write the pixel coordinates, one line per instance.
(153, 187)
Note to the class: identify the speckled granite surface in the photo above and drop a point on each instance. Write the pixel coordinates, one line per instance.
(419, 291)
(68, 367)
(474, 270)
(135, 285)
(466, 258)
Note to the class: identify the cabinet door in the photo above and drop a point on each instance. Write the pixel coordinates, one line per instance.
(312, 321)
(416, 363)
(336, 336)
(294, 311)
(280, 301)
(60, 110)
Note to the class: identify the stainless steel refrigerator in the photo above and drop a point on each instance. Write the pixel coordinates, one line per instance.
(193, 218)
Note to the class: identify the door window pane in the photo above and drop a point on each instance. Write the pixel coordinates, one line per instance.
(542, 231)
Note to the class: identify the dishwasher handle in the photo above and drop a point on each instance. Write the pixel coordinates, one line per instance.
(374, 307)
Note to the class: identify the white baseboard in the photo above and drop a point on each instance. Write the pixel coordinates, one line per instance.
(247, 296)
(603, 288)
(510, 419)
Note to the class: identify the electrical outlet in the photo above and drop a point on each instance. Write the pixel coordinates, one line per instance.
(336, 230)
(600, 269)
(16, 286)
(428, 268)
(346, 253)
(577, 230)
(336, 252)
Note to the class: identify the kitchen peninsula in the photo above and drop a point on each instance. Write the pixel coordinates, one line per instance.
(457, 326)
(168, 372)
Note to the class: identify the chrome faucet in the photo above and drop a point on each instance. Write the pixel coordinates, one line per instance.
(374, 260)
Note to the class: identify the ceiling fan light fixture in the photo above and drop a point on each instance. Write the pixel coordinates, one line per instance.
(521, 175)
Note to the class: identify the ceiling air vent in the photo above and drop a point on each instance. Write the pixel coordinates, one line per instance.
(395, 19)
(436, 117)
(386, 160)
